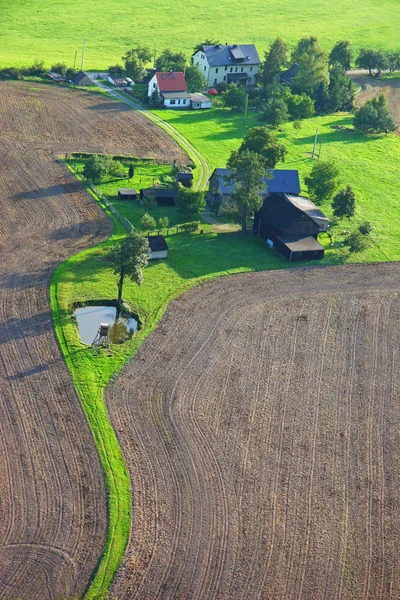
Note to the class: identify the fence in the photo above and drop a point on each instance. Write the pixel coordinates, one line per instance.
(123, 220)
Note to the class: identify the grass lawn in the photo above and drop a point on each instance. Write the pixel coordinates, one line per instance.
(55, 29)
(368, 163)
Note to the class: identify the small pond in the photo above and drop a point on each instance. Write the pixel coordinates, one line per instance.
(90, 317)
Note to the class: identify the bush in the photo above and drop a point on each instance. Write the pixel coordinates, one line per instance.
(356, 242)
(10, 73)
(190, 226)
(231, 213)
(163, 223)
(322, 181)
(150, 203)
(37, 69)
(275, 112)
(222, 86)
(147, 222)
(373, 116)
(60, 68)
(365, 228)
(300, 106)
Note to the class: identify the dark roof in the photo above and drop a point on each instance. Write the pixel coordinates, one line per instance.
(301, 244)
(233, 76)
(184, 176)
(159, 192)
(281, 213)
(305, 205)
(219, 55)
(157, 243)
(79, 76)
(127, 192)
(285, 181)
(171, 95)
(290, 74)
(171, 81)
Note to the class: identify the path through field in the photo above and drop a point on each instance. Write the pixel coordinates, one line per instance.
(53, 517)
(260, 424)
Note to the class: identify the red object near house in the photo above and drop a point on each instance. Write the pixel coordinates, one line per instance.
(213, 92)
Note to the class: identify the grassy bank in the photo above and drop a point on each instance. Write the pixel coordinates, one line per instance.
(55, 30)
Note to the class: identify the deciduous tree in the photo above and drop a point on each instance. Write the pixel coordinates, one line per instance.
(129, 259)
(374, 117)
(313, 67)
(170, 61)
(322, 181)
(195, 79)
(96, 167)
(341, 53)
(262, 141)
(234, 98)
(371, 59)
(135, 61)
(147, 222)
(190, 202)
(275, 112)
(300, 106)
(344, 203)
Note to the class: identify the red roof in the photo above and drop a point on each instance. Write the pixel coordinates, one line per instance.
(171, 82)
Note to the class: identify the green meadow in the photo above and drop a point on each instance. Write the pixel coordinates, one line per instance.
(54, 30)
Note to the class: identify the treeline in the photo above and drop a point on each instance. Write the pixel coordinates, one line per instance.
(37, 69)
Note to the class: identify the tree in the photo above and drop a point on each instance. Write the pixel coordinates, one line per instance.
(371, 59)
(195, 79)
(322, 181)
(131, 171)
(341, 53)
(60, 68)
(147, 222)
(373, 116)
(170, 61)
(129, 259)
(262, 141)
(393, 61)
(249, 171)
(300, 106)
(163, 223)
(356, 242)
(95, 168)
(155, 99)
(275, 60)
(341, 90)
(190, 202)
(116, 69)
(275, 112)
(234, 98)
(149, 202)
(135, 61)
(344, 203)
(313, 67)
(365, 228)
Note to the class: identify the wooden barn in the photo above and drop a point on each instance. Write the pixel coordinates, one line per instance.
(158, 246)
(127, 194)
(163, 196)
(291, 230)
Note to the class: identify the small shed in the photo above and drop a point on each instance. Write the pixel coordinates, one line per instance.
(296, 248)
(158, 246)
(127, 194)
(82, 79)
(163, 196)
(199, 101)
(185, 179)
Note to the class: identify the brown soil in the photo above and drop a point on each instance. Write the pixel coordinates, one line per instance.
(52, 498)
(371, 88)
(260, 424)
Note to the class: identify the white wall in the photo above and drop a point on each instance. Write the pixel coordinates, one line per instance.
(153, 85)
(177, 103)
(158, 254)
(215, 75)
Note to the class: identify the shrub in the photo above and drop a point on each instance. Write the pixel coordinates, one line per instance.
(322, 181)
(37, 69)
(60, 68)
(300, 106)
(373, 116)
(147, 222)
(222, 86)
(10, 73)
(365, 228)
(163, 223)
(190, 226)
(150, 203)
(356, 242)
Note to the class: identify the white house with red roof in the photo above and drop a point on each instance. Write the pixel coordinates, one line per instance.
(171, 87)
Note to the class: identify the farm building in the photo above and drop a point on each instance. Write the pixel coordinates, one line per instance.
(236, 64)
(82, 79)
(158, 246)
(117, 80)
(127, 194)
(163, 196)
(186, 179)
(200, 101)
(171, 87)
(221, 187)
(288, 75)
(291, 229)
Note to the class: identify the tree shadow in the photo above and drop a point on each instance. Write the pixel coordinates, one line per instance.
(114, 106)
(21, 328)
(92, 229)
(53, 190)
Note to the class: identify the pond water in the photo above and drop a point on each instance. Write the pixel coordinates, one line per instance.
(90, 317)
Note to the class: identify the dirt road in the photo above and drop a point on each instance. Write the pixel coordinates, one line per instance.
(53, 516)
(260, 424)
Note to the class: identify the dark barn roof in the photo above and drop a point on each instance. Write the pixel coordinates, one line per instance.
(80, 76)
(307, 206)
(290, 74)
(157, 243)
(277, 210)
(181, 176)
(285, 181)
(158, 192)
(243, 54)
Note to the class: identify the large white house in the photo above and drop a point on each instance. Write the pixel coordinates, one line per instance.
(171, 86)
(233, 64)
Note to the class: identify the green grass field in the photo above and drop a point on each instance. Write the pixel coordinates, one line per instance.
(368, 163)
(54, 30)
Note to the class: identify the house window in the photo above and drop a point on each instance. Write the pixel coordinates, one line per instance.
(215, 81)
(179, 101)
(242, 69)
(154, 86)
(236, 69)
(183, 101)
(224, 77)
(230, 70)
(251, 68)
(216, 70)
(172, 101)
(226, 68)
(205, 68)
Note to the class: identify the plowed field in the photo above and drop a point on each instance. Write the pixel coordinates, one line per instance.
(260, 423)
(52, 498)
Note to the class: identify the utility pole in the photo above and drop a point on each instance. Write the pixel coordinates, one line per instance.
(76, 52)
(83, 54)
(245, 109)
(315, 143)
